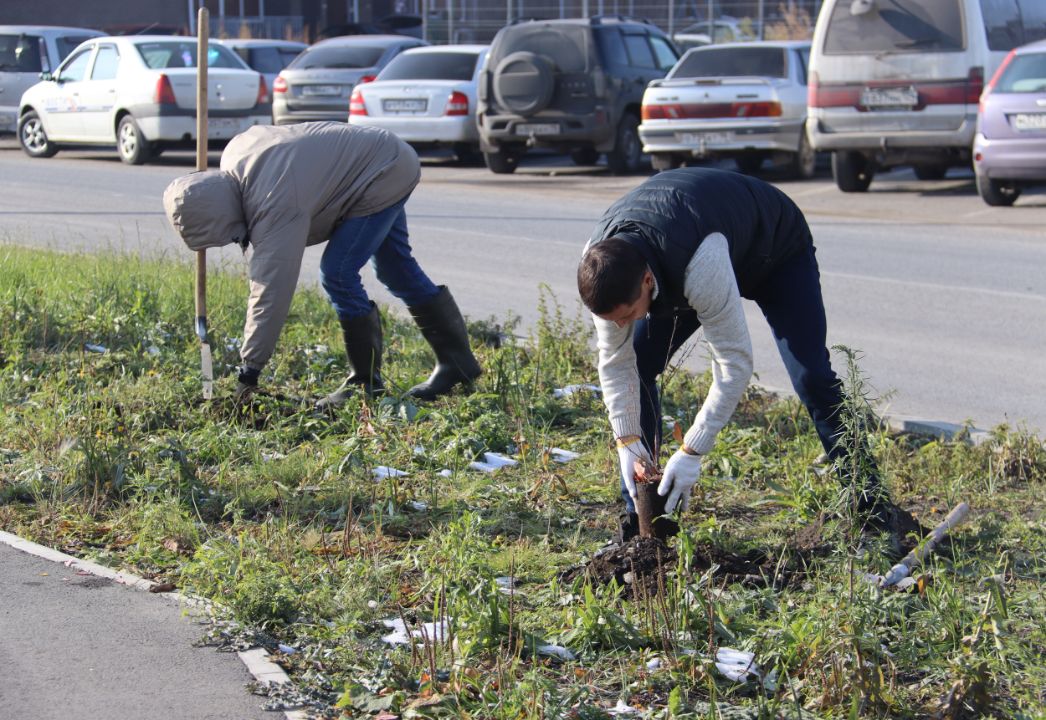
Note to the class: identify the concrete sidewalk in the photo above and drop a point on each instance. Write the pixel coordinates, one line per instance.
(79, 646)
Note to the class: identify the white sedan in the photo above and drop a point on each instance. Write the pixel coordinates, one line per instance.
(139, 94)
(427, 97)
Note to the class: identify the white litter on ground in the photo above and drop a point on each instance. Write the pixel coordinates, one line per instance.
(419, 450)
(565, 392)
(492, 462)
(381, 472)
(563, 456)
(287, 649)
(739, 666)
(91, 347)
(445, 472)
(506, 585)
(622, 708)
(653, 664)
(431, 631)
(557, 651)
(418, 505)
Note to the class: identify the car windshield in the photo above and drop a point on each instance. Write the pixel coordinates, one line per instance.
(431, 66)
(894, 26)
(1012, 23)
(732, 62)
(1024, 74)
(20, 53)
(166, 54)
(567, 46)
(333, 56)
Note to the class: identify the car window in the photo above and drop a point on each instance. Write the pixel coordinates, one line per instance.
(265, 59)
(639, 52)
(76, 67)
(733, 62)
(612, 47)
(287, 56)
(895, 26)
(666, 56)
(431, 66)
(67, 43)
(1025, 74)
(333, 56)
(804, 63)
(20, 53)
(567, 46)
(105, 63)
(164, 54)
(1011, 23)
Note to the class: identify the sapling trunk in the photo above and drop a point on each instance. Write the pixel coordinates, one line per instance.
(649, 505)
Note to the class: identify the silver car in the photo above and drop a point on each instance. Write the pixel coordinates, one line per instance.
(268, 57)
(426, 96)
(317, 85)
(25, 52)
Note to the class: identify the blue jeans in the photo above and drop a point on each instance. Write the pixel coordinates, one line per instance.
(383, 239)
(791, 301)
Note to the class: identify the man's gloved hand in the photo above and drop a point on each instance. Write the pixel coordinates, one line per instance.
(679, 478)
(627, 454)
(246, 384)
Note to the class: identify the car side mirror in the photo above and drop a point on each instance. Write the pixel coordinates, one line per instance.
(46, 76)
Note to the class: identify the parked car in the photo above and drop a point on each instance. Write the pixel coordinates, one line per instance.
(897, 82)
(724, 29)
(426, 96)
(745, 101)
(318, 83)
(1009, 150)
(25, 52)
(139, 93)
(268, 57)
(572, 85)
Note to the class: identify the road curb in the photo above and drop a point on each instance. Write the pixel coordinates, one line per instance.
(256, 660)
(936, 428)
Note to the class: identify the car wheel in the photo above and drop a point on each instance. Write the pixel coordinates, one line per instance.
(502, 162)
(750, 162)
(134, 149)
(628, 150)
(997, 193)
(466, 153)
(585, 156)
(930, 172)
(853, 171)
(665, 161)
(33, 138)
(804, 162)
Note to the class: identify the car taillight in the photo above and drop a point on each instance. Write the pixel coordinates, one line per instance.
(995, 78)
(458, 104)
(279, 85)
(974, 85)
(263, 91)
(164, 94)
(823, 96)
(367, 78)
(356, 104)
(693, 111)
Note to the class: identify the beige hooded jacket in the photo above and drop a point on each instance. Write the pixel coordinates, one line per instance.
(285, 188)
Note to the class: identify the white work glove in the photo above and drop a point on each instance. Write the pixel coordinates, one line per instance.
(678, 480)
(627, 456)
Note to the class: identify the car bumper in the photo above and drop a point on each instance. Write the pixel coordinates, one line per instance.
(573, 130)
(1010, 159)
(700, 139)
(424, 129)
(877, 133)
(160, 128)
(292, 117)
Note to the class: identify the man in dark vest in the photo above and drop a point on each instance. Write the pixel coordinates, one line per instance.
(678, 253)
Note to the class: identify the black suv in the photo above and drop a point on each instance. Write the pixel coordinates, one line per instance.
(573, 85)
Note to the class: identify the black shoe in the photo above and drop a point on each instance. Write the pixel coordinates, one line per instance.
(363, 347)
(443, 327)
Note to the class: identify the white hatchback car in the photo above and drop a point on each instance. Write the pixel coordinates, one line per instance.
(426, 96)
(139, 93)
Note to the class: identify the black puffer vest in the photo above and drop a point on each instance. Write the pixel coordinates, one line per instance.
(669, 215)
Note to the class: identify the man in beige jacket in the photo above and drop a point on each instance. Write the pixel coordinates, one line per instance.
(281, 189)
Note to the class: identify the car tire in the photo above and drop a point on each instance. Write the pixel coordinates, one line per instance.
(665, 161)
(628, 149)
(33, 138)
(523, 83)
(852, 171)
(131, 145)
(502, 162)
(750, 163)
(587, 155)
(930, 172)
(997, 193)
(804, 163)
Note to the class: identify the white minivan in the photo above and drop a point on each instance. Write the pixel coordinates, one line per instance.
(897, 82)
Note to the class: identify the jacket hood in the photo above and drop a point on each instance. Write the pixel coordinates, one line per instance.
(206, 209)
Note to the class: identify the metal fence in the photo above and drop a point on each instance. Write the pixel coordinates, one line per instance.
(283, 27)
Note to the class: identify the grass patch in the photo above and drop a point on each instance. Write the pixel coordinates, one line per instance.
(107, 452)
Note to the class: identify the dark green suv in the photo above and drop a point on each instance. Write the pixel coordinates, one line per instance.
(571, 85)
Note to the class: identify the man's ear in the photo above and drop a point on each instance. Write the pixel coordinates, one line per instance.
(648, 279)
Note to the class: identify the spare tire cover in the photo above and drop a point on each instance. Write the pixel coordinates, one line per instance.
(523, 83)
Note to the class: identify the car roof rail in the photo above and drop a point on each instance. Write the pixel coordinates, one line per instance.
(600, 19)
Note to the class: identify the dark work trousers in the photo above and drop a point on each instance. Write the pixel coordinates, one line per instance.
(791, 301)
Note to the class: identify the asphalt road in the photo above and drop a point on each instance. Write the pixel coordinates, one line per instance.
(122, 654)
(944, 296)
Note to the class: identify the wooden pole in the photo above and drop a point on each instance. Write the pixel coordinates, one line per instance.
(202, 47)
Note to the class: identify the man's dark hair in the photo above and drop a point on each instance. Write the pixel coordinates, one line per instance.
(610, 274)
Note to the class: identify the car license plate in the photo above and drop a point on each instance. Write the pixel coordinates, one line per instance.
(705, 139)
(889, 97)
(1029, 121)
(537, 129)
(405, 105)
(222, 127)
(321, 89)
